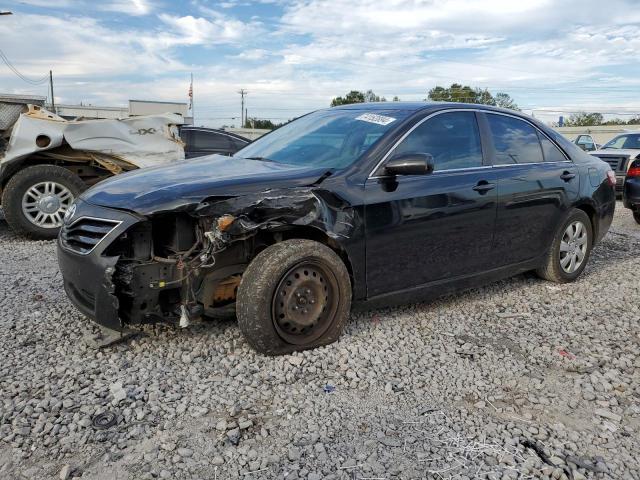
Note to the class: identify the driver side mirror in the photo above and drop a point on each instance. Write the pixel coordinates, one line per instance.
(410, 163)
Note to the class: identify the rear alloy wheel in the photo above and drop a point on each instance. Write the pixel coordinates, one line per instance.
(35, 199)
(569, 250)
(573, 246)
(294, 295)
(636, 216)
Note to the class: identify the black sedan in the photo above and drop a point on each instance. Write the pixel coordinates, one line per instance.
(631, 190)
(200, 141)
(370, 203)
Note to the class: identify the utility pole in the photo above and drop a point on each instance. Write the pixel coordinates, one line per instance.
(242, 93)
(53, 102)
(193, 115)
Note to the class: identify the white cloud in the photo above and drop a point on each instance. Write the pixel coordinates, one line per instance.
(217, 29)
(253, 54)
(50, 3)
(77, 46)
(128, 7)
(541, 52)
(404, 45)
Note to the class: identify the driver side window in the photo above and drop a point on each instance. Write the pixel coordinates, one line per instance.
(453, 139)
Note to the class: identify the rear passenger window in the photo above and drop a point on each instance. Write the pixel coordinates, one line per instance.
(452, 139)
(515, 141)
(551, 152)
(210, 141)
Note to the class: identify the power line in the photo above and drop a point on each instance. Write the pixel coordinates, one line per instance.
(20, 75)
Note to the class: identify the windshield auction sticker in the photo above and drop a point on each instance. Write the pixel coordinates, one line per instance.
(373, 118)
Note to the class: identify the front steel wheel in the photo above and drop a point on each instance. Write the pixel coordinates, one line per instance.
(569, 250)
(305, 302)
(294, 295)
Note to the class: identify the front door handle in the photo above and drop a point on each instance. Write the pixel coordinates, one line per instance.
(483, 187)
(567, 176)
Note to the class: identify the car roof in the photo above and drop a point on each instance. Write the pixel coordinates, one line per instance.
(423, 106)
(215, 130)
(409, 106)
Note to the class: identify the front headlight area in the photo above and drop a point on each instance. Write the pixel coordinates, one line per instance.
(174, 268)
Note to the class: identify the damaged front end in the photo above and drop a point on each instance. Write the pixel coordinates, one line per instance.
(178, 266)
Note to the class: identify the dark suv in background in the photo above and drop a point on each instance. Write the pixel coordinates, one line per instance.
(200, 141)
(619, 153)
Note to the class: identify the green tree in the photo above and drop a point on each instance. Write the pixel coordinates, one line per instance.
(466, 94)
(396, 98)
(615, 121)
(584, 119)
(262, 123)
(620, 121)
(369, 96)
(355, 96)
(503, 100)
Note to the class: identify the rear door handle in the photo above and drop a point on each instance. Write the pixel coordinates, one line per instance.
(567, 176)
(483, 187)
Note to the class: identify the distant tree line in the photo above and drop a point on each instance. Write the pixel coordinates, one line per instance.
(263, 123)
(355, 96)
(455, 93)
(466, 94)
(584, 119)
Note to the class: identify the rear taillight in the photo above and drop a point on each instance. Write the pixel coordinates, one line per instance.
(611, 178)
(634, 169)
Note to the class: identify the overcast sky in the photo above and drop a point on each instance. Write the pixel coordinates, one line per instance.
(294, 56)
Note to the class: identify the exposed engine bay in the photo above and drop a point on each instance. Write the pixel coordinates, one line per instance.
(178, 266)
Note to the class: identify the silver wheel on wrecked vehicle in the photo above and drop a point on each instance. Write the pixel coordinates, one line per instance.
(36, 198)
(45, 204)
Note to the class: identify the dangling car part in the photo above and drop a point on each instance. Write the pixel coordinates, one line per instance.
(47, 161)
(374, 204)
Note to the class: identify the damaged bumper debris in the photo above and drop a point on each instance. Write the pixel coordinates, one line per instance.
(122, 268)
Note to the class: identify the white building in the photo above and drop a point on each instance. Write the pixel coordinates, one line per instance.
(135, 108)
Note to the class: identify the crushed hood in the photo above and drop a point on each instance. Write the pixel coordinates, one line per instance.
(140, 141)
(185, 185)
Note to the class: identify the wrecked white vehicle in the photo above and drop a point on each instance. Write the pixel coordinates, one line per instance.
(46, 161)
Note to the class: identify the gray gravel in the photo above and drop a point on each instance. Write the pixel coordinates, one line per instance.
(521, 379)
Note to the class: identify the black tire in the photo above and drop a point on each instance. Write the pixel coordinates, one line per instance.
(262, 320)
(551, 269)
(636, 216)
(21, 182)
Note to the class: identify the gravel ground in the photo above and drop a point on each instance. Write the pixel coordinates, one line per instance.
(521, 379)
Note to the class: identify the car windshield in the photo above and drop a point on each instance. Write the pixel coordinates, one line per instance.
(624, 141)
(332, 138)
